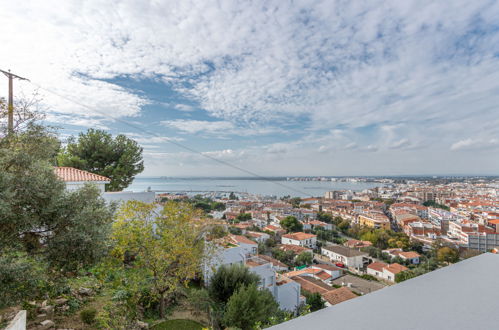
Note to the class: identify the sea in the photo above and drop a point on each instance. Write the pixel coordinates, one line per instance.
(277, 187)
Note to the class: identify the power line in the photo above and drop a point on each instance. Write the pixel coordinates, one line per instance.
(176, 143)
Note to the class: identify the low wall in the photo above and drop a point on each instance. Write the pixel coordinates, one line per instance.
(18, 323)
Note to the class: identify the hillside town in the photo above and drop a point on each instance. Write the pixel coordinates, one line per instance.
(346, 244)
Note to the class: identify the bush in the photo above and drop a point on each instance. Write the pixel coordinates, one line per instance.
(88, 315)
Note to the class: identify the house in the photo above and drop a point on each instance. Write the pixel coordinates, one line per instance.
(391, 270)
(257, 236)
(278, 266)
(295, 248)
(337, 296)
(285, 292)
(376, 269)
(411, 256)
(374, 220)
(325, 275)
(76, 179)
(356, 244)
(300, 239)
(314, 224)
(250, 247)
(385, 271)
(274, 229)
(349, 257)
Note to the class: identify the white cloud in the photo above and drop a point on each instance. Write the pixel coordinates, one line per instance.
(378, 76)
(475, 144)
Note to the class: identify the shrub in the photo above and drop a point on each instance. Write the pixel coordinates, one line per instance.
(88, 315)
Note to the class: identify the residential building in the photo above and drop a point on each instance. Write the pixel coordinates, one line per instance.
(337, 296)
(374, 220)
(300, 239)
(76, 179)
(349, 257)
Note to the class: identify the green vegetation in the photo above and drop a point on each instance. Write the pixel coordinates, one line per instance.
(178, 325)
(436, 205)
(163, 249)
(88, 315)
(228, 279)
(327, 218)
(304, 258)
(249, 306)
(291, 224)
(96, 151)
(243, 217)
(315, 301)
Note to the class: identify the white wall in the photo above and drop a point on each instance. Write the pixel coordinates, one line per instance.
(125, 196)
(19, 322)
(288, 296)
(75, 185)
(222, 256)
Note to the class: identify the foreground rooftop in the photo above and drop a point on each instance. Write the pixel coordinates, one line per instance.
(460, 296)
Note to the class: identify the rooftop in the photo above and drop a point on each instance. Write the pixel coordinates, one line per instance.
(344, 251)
(71, 174)
(440, 297)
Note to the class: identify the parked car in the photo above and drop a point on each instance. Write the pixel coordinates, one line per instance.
(340, 264)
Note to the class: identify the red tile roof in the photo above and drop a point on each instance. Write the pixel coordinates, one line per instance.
(377, 266)
(300, 236)
(70, 174)
(395, 268)
(243, 239)
(339, 295)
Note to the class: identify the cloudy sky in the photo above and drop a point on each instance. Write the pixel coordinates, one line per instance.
(274, 87)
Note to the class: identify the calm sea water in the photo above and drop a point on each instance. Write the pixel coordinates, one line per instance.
(277, 188)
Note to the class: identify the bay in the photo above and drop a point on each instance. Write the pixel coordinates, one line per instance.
(272, 187)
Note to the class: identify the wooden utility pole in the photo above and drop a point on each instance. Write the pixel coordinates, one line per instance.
(10, 119)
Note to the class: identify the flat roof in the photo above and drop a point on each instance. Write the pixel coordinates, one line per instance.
(461, 296)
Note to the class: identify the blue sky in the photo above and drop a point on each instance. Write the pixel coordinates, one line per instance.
(275, 87)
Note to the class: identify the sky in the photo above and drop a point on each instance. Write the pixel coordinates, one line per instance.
(272, 87)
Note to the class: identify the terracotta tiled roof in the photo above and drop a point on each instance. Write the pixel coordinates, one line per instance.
(395, 268)
(409, 254)
(295, 248)
(338, 295)
(71, 174)
(377, 266)
(311, 284)
(300, 236)
(242, 239)
(273, 261)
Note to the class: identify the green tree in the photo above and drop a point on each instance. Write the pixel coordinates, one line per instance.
(227, 279)
(166, 247)
(304, 258)
(233, 196)
(249, 306)
(291, 224)
(96, 151)
(321, 216)
(37, 214)
(448, 255)
(243, 216)
(315, 301)
(295, 202)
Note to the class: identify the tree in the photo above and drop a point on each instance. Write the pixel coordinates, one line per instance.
(243, 216)
(304, 258)
(233, 196)
(283, 256)
(96, 151)
(227, 279)
(37, 214)
(295, 202)
(291, 224)
(27, 111)
(315, 301)
(249, 306)
(167, 247)
(321, 216)
(447, 254)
